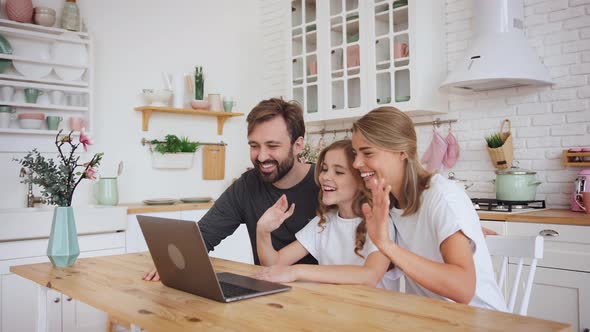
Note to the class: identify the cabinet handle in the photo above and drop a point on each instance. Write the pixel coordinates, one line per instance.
(69, 299)
(549, 233)
(56, 300)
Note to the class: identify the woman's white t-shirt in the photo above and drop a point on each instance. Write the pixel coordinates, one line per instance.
(446, 209)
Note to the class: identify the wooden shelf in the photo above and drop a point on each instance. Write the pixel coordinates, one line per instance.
(221, 116)
(569, 158)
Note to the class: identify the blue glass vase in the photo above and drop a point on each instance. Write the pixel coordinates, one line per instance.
(63, 249)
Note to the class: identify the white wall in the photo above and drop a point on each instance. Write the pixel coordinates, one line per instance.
(545, 121)
(136, 40)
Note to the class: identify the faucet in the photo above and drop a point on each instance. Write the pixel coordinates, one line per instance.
(31, 199)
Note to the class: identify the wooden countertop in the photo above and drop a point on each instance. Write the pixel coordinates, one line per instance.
(547, 216)
(133, 208)
(113, 284)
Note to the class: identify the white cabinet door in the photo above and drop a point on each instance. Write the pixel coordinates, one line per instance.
(78, 317)
(559, 295)
(19, 304)
(134, 236)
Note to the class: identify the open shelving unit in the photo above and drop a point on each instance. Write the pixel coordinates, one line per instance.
(148, 110)
(576, 159)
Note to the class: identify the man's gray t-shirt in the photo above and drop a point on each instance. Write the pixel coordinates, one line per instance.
(246, 200)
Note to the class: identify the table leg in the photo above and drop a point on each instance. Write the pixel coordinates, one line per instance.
(41, 308)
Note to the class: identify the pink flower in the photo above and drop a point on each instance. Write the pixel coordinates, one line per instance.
(85, 140)
(90, 174)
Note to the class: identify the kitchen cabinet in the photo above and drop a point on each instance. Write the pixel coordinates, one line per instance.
(58, 63)
(235, 247)
(18, 296)
(561, 288)
(350, 56)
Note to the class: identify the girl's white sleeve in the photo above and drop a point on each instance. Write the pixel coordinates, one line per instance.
(308, 236)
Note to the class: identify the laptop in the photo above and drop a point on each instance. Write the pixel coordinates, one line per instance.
(181, 258)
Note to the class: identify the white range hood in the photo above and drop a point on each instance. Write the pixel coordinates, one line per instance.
(499, 56)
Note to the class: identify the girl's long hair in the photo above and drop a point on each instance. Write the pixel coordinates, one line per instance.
(390, 129)
(362, 195)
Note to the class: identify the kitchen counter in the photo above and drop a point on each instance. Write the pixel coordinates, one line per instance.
(134, 208)
(547, 216)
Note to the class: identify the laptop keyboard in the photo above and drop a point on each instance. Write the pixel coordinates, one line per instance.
(231, 290)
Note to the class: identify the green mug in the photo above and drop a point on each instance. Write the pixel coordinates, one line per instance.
(53, 122)
(31, 95)
(107, 192)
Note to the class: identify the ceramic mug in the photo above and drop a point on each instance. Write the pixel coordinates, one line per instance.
(400, 50)
(215, 103)
(107, 191)
(228, 104)
(77, 123)
(56, 97)
(7, 93)
(31, 95)
(5, 118)
(53, 122)
(583, 200)
(75, 100)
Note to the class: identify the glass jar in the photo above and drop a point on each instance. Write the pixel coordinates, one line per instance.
(70, 16)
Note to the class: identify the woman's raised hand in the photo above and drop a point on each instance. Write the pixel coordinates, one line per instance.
(377, 217)
(275, 215)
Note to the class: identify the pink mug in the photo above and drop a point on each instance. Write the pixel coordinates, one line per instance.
(77, 123)
(583, 200)
(400, 50)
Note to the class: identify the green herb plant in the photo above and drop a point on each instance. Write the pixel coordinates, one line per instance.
(494, 140)
(173, 144)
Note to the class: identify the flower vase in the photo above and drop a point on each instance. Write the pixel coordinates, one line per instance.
(63, 249)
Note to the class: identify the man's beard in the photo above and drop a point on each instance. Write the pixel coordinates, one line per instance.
(280, 171)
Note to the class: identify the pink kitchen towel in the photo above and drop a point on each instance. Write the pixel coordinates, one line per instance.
(434, 155)
(452, 155)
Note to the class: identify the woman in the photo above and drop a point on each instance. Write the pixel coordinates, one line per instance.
(435, 237)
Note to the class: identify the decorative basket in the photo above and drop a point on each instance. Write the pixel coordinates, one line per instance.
(503, 156)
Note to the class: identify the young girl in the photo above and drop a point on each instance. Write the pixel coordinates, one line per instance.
(336, 237)
(436, 238)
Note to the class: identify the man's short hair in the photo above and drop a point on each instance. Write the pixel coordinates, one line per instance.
(268, 109)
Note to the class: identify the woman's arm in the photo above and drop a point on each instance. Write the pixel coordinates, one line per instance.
(453, 279)
(369, 274)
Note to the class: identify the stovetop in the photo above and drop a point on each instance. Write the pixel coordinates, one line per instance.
(494, 205)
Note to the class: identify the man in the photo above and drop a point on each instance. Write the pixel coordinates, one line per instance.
(275, 136)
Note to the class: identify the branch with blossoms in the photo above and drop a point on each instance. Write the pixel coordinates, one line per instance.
(58, 181)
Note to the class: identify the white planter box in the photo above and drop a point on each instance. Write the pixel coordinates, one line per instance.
(173, 160)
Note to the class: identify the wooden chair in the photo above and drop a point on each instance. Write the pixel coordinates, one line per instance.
(522, 247)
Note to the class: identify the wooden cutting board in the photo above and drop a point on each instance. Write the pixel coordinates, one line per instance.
(214, 162)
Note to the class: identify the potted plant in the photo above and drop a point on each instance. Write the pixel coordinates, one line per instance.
(173, 152)
(58, 181)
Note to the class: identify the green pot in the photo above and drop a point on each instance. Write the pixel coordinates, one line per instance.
(516, 185)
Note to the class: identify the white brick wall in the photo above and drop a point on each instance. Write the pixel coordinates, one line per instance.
(545, 121)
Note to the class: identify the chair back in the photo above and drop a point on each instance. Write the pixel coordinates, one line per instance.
(520, 247)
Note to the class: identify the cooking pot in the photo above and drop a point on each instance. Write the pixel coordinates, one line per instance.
(516, 184)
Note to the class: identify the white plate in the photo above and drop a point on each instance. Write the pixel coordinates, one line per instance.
(71, 53)
(160, 201)
(33, 50)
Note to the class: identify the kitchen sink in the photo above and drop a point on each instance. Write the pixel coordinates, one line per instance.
(35, 223)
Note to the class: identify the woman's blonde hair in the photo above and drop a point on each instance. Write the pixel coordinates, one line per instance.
(390, 129)
(362, 195)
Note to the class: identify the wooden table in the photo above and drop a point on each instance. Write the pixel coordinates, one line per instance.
(113, 284)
